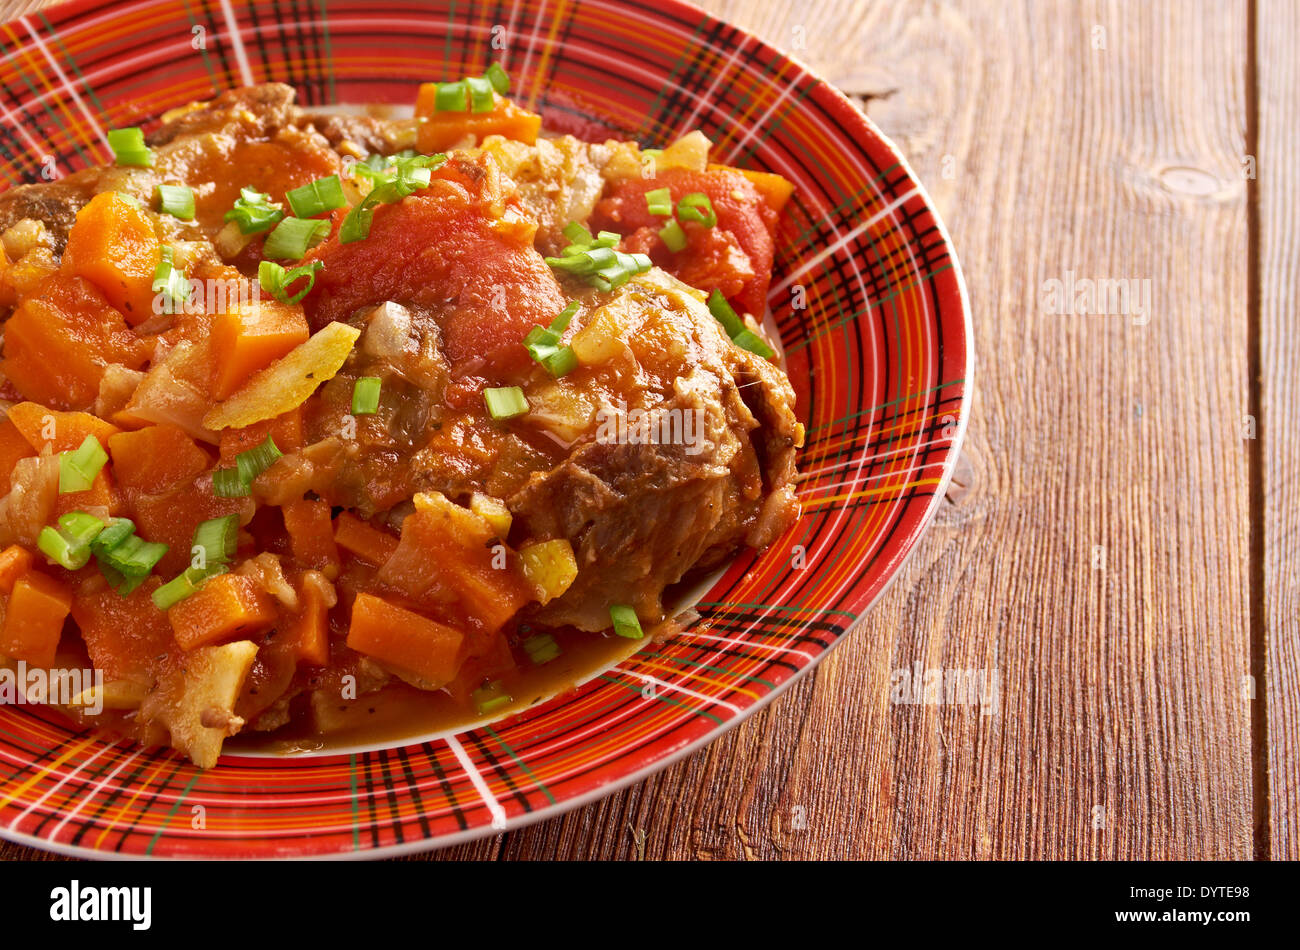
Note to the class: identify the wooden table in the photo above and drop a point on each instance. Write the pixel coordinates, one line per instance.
(1120, 535)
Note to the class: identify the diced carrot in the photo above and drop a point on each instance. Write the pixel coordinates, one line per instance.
(775, 190)
(365, 541)
(228, 607)
(309, 628)
(156, 458)
(15, 561)
(125, 636)
(172, 516)
(60, 340)
(62, 431)
(285, 430)
(441, 130)
(450, 545)
(311, 534)
(102, 493)
(13, 448)
(405, 639)
(113, 245)
(249, 338)
(34, 619)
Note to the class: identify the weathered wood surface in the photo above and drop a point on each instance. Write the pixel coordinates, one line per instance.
(1096, 547)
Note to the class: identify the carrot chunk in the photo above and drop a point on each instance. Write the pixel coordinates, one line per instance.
(441, 130)
(309, 629)
(247, 339)
(405, 639)
(125, 636)
(311, 534)
(61, 431)
(228, 607)
(34, 619)
(155, 458)
(112, 244)
(15, 561)
(366, 542)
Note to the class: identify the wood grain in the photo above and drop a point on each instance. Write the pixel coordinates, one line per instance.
(1106, 140)
(1278, 186)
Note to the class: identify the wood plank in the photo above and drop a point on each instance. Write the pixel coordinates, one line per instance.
(1277, 49)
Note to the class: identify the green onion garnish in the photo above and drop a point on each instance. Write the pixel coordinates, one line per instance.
(689, 209)
(134, 557)
(255, 461)
(216, 537)
(68, 545)
(452, 97)
(724, 314)
(276, 281)
(481, 98)
(541, 648)
(406, 176)
(78, 468)
(490, 697)
(498, 78)
(735, 328)
(176, 200)
(365, 395)
(120, 582)
(596, 260)
(294, 237)
(577, 234)
(170, 281)
(673, 236)
(118, 530)
(226, 483)
(543, 344)
(254, 212)
(659, 201)
(626, 623)
(317, 197)
(129, 148)
(505, 402)
(188, 582)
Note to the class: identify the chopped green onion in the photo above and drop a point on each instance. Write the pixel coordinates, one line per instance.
(217, 538)
(276, 281)
(498, 78)
(561, 321)
(365, 395)
(481, 98)
(293, 237)
(254, 212)
(188, 582)
(724, 314)
(577, 234)
(132, 200)
(317, 197)
(176, 200)
(735, 328)
(78, 468)
(506, 402)
(673, 236)
(659, 202)
(689, 209)
(258, 459)
(169, 281)
(80, 527)
(749, 340)
(135, 557)
(62, 551)
(408, 175)
(129, 148)
(541, 648)
(226, 483)
(543, 343)
(118, 530)
(625, 621)
(120, 582)
(490, 697)
(452, 97)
